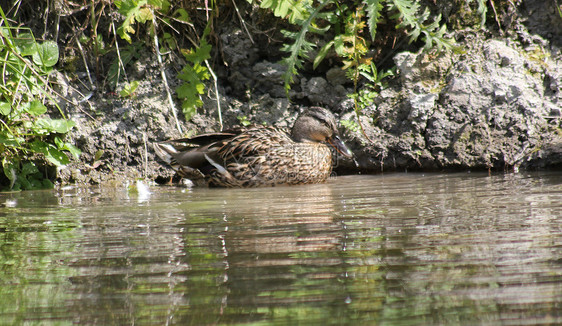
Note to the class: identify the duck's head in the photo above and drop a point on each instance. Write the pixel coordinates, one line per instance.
(319, 125)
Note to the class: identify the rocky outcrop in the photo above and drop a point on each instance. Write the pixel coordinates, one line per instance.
(492, 107)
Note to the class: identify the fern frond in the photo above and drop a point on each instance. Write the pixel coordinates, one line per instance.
(293, 10)
(408, 17)
(374, 8)
(301, 47)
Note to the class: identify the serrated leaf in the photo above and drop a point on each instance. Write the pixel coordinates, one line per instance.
(199, 54)
(144, 15)
(129, 8)
(156, 3)
(374, 8)
(124, 31)
(189, 108)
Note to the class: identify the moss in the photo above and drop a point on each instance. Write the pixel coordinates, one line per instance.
(465, 14)
(538, 55)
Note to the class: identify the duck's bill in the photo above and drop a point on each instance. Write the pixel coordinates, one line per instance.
(340, 146)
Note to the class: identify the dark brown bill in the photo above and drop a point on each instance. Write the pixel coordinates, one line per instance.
(339, 146)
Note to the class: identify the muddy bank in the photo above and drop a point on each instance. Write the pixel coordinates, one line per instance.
(496, 104)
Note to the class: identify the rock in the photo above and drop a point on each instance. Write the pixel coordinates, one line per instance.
(489, 110)
(269, 78)
(336, 77)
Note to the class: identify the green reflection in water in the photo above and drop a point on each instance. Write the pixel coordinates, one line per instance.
(376, 250)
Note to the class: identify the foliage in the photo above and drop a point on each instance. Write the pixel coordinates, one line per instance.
(350, 125)
(26, 132)
(243, 120)
(351, 44)
(300, 49)
(129, 89)
(139, 11)
(407, 14)
(194, 74)
(126, 56)
(483, 10)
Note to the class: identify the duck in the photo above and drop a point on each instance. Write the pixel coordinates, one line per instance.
(259, 155)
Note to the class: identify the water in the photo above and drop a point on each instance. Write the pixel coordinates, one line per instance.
(394, 249)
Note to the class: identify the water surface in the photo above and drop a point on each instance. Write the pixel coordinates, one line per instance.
(394, 249)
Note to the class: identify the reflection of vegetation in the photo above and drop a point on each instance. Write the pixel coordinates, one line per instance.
(30, 274)
(415, 250)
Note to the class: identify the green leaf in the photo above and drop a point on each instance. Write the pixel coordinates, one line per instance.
(156, 3)
(26, 44)
(28, 168)
(374, 8)
(129, 8)
(51, 153)
(301, 47)
(36, 108)
(9, 168)
(47, 184)
(189, 107)
(49, 125)
(129, 89)
(64, 146)
(56, 157)
(127, 55)
(75, 151)
(47, 54)
(5, 108)
(181, 15)
(199, 54)
(322, 53)
(99, 153)
(144, 15)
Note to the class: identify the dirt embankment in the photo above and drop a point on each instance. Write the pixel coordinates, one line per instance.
(496, 104)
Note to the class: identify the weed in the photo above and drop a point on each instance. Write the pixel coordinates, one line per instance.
(26, 133)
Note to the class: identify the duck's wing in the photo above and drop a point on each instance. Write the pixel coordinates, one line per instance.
(209, 138)
(178, 156)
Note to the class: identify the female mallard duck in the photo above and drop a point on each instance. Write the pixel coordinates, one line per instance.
(260, 155)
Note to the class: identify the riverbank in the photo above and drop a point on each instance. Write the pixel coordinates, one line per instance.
(495, 104)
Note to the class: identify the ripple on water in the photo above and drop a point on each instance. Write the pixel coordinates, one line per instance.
(385, 249)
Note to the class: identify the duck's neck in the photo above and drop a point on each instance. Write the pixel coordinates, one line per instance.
(301, 130)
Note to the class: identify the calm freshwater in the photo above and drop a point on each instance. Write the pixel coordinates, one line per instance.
(392, 249)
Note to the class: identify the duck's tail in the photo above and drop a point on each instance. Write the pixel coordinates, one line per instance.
(167, 152)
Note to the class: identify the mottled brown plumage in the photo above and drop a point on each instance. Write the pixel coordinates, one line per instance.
(259, 155)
